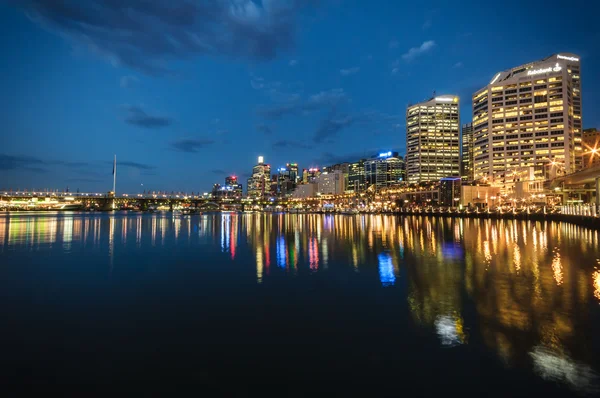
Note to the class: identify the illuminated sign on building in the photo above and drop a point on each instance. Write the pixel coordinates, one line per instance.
(444, 99)
(574, 59)
(261, 160)
(385, 154)
(556, 68)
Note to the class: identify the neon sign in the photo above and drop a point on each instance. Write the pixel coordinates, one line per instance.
(385, 154)
(574, 59)
(556, 68)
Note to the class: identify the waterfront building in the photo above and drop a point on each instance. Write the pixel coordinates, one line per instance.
(466, 156)
(383, 170)
(432, 139)
(259, 184)
(529, 116)
(450, 191)
(330, 183)
(591, 147)
(304, 191)
(356, 177)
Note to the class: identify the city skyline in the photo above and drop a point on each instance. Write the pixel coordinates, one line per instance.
(330, 97)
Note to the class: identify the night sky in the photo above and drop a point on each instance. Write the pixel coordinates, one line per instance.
(187, 92)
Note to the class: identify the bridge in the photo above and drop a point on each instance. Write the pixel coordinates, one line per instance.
(582, 183)
(108, 201)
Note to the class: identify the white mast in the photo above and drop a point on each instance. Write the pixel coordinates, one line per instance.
(115, 175)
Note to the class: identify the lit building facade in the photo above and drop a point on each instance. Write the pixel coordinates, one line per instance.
(466, 156)
(450, 191)
(331, 183)
(259, 183)
(286, 179)
(591, 148)
(384, 170)
(432, 139)
(529, 116)
(356, 177)
(309, 175)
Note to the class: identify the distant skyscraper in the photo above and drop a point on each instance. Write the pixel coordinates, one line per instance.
(466, 161)
(384, 170)
(529, 117)
(309, 175)
(293, 171)
(356, 177)
(591, 148)
(432, 139)
(286, 179)
(260, 183)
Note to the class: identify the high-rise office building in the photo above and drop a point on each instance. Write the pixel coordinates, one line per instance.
(259, 183)
(293, 171)
(330, 183)
(356, 177)
(466, 156)
(529, 117)
(591, 148)
(309, 175)
(286, 179)
(432, 139)
(383, 170)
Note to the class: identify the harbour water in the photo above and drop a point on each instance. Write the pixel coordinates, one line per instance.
(402, 305)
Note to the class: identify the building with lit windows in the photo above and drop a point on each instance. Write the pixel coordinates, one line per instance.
(286, 179)
(466, 153)
(356, 177)
(591, 147)
(384, 170)
(433, 139)
(309, 175)
(529, 116)
(330, 183)
(259, 183)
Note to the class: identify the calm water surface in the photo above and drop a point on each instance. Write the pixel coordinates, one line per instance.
(401, 305)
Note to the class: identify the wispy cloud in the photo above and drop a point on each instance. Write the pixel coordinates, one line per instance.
(191, 145)
(349, 71)
(293, 62)
(458, 65)
(128, 81)
(427, 24)
(393, 44)
(34, 164)
(418, 51)
(263, 128)
(330, 126)
(326, 99)
(281, 144)
(138, 117)
(144, 35)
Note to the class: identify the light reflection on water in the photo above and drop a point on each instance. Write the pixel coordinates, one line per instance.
(534, 287)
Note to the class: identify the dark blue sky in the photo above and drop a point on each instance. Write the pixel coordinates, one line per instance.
(186, 92)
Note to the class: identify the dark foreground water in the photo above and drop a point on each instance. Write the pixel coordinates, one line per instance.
(397, 306)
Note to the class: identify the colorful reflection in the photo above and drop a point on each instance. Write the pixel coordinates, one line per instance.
(527, 286)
